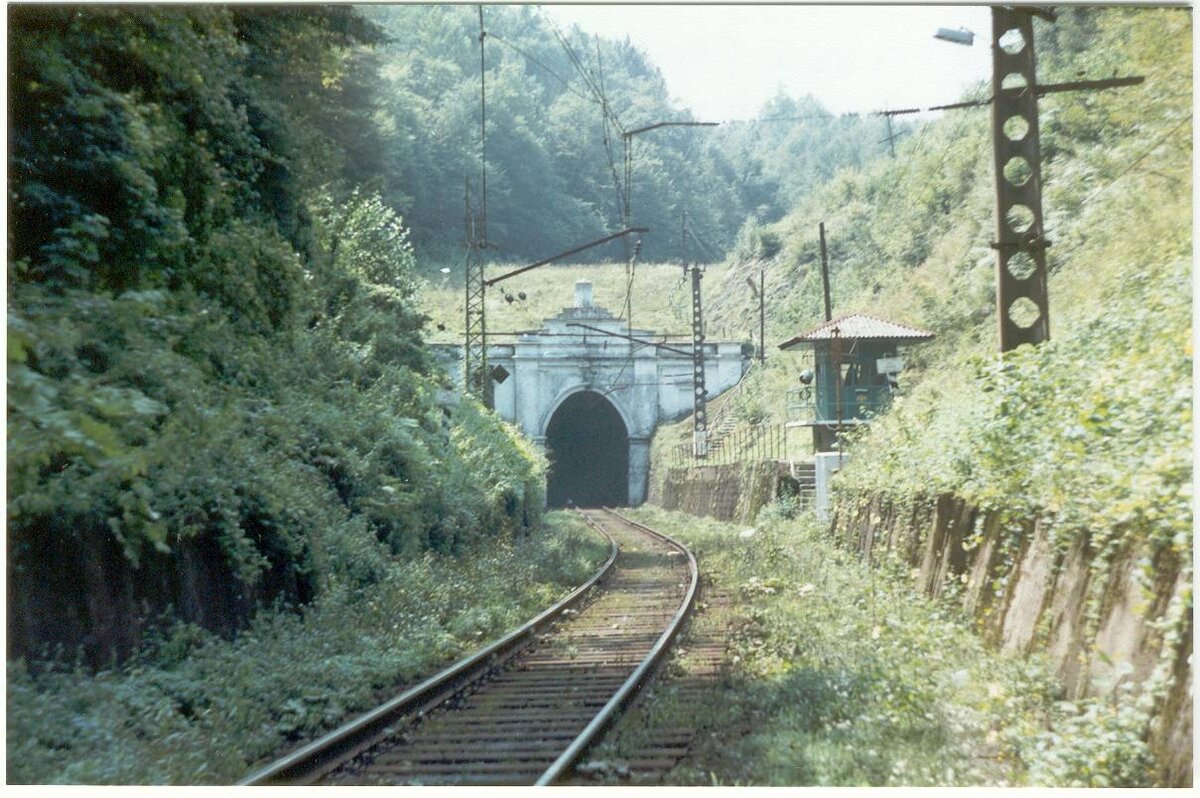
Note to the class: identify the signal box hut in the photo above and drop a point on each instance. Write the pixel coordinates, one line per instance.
(853, 375)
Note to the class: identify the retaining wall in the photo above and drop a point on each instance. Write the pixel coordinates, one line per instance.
(733, 492)
(1104, 622)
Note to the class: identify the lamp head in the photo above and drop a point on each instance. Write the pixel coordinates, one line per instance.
(961, 36)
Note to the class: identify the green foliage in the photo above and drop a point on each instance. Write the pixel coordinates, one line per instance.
(551, 163)
(365, 238)
(195, 709)
(150, 150)
(1096, 743)
(216, 371)
(842, 676)
(1091, 432)
(1093, 429)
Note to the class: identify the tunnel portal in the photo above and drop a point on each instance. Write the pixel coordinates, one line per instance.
(589, 453)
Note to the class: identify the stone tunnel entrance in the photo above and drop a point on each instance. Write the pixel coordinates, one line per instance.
(588, 446)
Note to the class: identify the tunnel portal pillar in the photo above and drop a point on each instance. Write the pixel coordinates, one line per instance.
(639, 469)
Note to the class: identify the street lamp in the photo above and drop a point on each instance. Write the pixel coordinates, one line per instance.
(960, 36)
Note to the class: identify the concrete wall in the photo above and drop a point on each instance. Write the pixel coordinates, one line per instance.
(733, 492)
(1102, 626)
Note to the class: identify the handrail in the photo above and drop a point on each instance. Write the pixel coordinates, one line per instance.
(718, 415)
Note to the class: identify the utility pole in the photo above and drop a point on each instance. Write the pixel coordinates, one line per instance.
(825, 273)
(476, 379)
(475, 347)
(700, 394)
(762, 313)
(891, 137)
(1020, 236)
(1020, 231)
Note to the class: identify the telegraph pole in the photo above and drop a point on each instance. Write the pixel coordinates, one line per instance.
(891, 137)
(825, 273)
(762, 313)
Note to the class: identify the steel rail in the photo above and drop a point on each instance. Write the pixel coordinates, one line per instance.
(597, 725)
(350, 739)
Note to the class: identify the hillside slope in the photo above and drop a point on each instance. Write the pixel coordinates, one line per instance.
(1085, 439)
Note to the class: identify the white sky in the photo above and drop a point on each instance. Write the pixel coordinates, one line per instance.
(725, 61)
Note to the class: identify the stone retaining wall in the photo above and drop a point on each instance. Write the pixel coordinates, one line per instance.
(733, 492)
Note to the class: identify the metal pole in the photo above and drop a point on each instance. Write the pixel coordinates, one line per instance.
(837, 384)
(699, 399)
(825, 273)
(482, 128)
(1020, 238)
(762, 314)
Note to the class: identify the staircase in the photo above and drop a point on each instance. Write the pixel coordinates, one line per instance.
(718, 436)
(805, 475)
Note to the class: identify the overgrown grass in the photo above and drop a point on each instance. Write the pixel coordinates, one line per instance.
(196, 709)
(842, 675)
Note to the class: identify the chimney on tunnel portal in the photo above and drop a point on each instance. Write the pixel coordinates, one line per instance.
(583, 293)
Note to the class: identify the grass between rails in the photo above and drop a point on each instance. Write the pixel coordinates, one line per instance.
(196, 709)
(842, 675)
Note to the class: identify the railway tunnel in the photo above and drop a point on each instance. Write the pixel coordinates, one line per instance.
(590, 390)
(588, 447)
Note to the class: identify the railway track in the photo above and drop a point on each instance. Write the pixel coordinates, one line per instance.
(524, 709)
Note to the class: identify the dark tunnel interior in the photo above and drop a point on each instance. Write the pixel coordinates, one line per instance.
(589, 454)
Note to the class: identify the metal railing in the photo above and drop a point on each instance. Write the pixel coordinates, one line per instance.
(744, 443)
(723, 410)
(858, 404)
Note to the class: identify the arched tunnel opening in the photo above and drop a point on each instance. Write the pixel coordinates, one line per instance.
(588, 446)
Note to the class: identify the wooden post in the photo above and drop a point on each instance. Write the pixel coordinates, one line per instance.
(825, 273)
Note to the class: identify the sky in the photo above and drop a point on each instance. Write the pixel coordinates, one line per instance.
(725, 61)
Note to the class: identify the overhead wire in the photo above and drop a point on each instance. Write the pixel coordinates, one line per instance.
(609, 117)
(566, 83)
(612, 165)
(1145, 154)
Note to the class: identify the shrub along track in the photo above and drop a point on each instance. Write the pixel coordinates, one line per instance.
(524, 709)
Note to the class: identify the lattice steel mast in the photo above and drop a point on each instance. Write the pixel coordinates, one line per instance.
(475, 371)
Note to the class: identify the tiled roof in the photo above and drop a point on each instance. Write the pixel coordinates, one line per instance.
(857, 327)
